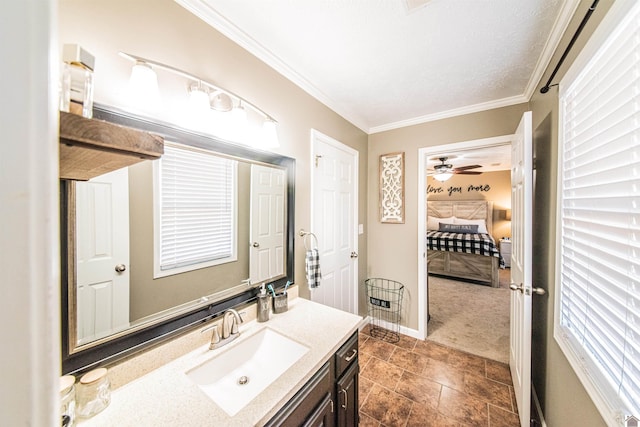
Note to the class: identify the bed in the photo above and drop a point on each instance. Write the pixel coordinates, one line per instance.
(462, 250)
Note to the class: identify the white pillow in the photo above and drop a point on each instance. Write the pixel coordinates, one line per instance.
(482, 226)
(433, 222)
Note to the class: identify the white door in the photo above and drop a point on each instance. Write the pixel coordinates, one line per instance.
(521, 256)
(266, 259)
(102, 265)
(334, 216)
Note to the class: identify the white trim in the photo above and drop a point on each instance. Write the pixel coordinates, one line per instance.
(423, 154)
(611, 416)
(29, 211)
(316, 136)
(567, 11)
(536, 402)
(403, 329)
(469, 109)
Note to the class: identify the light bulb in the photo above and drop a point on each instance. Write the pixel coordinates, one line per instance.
(270, 134)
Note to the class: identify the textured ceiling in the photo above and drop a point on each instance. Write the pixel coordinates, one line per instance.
(384, 64)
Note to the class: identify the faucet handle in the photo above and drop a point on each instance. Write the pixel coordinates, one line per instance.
(234, 326)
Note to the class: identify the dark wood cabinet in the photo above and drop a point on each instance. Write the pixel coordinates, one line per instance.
(330, 397)
(347, 397)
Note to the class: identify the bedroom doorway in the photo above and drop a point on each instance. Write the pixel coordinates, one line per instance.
(451, 287)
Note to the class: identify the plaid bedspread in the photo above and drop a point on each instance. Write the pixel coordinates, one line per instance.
(479, 244)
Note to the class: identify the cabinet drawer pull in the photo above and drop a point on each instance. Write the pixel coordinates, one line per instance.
(353, 354)
(344, 406)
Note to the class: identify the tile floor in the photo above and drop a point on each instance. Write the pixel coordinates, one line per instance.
(421, 383)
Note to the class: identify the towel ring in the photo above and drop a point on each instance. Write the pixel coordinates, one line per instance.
(304, 235)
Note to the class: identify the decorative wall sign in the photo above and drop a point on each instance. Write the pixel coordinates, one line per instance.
(392, 188)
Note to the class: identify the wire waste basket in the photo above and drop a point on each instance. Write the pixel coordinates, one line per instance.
(384, 299)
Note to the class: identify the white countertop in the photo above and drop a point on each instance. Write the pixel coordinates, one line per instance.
(166, 397)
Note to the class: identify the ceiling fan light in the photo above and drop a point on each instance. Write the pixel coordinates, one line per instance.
(442, 177)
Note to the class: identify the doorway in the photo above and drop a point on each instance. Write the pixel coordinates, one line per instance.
(467, 155)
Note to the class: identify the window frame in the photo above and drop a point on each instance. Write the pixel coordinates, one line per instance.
(158, 272)
(595, 384)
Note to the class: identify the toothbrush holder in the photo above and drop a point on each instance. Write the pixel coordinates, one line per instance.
(280, 303)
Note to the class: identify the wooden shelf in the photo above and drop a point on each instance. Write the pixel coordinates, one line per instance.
(91, 147)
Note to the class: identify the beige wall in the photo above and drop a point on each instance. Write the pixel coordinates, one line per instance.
(163, 31)
(490, 186)
(393, 248)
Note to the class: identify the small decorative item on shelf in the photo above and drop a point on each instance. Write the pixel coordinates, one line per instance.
(76, 94)
(94, 393)
(67, 400)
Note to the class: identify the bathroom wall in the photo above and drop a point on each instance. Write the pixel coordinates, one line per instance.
(163, 31)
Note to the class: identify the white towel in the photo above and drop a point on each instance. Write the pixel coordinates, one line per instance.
(312, 266)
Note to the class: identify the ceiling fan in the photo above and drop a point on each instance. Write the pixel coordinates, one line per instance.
(444, 171)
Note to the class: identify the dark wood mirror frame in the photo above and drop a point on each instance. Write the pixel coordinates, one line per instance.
(125, 345)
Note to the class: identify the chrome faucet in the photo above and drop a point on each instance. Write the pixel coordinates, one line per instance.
(230, 321)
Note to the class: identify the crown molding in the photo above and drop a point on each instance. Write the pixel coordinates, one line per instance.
(567, 11)
(490, 105)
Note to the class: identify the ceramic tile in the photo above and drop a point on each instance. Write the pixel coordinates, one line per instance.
(419, 389)
(364, 387)
(426, 416)
(488, 390)
(363, 358)
(380, 349)
(406, 342)
(467, 362)
(432, 350)
(386, 406)
(444, 374)
(367, 421)
(498, 372)
(463, 408)
(382, 373)
(409, 360)
(500, 418)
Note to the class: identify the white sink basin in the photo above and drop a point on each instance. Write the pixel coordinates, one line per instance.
(234, 377)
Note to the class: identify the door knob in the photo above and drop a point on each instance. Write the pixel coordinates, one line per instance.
(515, 287)
(538, 291)
(121, 268)
(354, 254)
(256, 245)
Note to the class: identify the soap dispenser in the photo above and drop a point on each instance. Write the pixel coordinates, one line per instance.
(264, 305)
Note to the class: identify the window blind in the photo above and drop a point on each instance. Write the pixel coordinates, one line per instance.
(600, 216)
(197, 208)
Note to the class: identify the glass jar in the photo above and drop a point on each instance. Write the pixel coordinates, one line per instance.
(67, 400)
(77, 80)
(94, 393)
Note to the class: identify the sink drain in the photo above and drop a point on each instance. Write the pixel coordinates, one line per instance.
(243, 380)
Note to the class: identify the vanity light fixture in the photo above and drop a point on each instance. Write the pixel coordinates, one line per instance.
(204, 95)
(143, 85)
(443, 176)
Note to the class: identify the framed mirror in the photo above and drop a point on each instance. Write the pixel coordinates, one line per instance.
(154, 248)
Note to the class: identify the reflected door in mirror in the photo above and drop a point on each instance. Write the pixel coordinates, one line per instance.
(268, 186)
(102, 235)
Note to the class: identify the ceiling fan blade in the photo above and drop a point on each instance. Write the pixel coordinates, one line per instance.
(464, 168)
(459, 172)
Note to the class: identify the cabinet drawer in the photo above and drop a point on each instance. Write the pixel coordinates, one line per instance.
(347, 354)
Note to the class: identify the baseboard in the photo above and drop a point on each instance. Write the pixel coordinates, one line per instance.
(403, 329)
(538, 408)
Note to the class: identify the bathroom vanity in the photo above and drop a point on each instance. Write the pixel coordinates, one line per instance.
(321, 388)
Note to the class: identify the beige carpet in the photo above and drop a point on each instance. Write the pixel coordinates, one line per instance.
(470, 317)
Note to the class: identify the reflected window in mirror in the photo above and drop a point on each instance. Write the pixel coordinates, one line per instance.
(195, 223)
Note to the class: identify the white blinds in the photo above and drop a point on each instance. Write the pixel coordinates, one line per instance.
(197, 208)
(600, 215)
